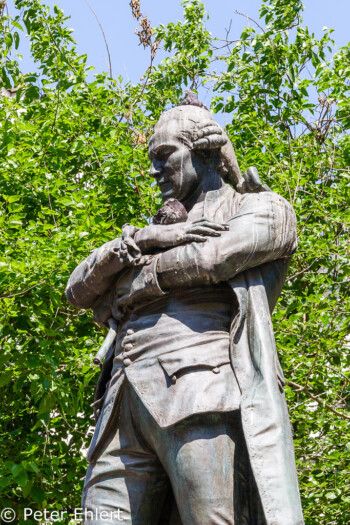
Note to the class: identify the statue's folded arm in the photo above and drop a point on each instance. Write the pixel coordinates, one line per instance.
(263, 229)
(95, 275)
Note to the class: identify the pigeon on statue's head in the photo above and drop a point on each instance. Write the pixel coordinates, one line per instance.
(191, 99)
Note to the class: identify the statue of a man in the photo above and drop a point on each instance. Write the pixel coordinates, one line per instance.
(190, 402)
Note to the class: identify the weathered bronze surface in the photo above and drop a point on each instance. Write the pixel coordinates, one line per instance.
(192, 424)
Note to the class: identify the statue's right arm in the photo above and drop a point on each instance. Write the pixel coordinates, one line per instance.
(95, 276)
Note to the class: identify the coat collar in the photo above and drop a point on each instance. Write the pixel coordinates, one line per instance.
(218, 204)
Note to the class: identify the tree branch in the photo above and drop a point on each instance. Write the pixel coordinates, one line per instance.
(104, 37)
(318, 401)
(251, 19)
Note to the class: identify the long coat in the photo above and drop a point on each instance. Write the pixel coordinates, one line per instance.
(264, 411)
(253, 258)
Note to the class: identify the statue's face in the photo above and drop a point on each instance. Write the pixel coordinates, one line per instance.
(177, 170)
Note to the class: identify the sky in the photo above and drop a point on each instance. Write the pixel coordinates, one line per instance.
(130, 60)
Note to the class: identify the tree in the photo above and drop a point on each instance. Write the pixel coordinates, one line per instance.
(73, 170)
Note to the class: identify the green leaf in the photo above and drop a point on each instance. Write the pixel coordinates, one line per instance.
(45, 405)
(5, 378)
(22, 478)
(37, 494)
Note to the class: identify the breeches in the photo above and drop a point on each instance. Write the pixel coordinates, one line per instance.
(196, 472)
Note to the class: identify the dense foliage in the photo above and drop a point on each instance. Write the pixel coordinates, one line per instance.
(73, 169)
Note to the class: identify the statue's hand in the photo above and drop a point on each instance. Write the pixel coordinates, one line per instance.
(197, 231)
(211, 135)
(156, 237)
(141, 284)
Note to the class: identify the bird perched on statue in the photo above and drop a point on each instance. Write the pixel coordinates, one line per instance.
(172, 212)
(192, 100)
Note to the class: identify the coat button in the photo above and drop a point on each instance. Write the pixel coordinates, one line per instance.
(128, 346)
(130, 331)
(127, 361)
(173, 379)
(216, 370)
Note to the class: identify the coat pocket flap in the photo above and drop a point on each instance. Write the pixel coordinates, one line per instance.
(179, 360)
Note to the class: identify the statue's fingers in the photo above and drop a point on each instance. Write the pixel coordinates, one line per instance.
(189, 237)
(206, 123)
(208, 130)
(215, 226)
(210, 142)
(202, 230)
(210, 224)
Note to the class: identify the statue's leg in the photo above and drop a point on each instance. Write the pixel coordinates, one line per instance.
(201, 469)
(207, 462)
(127, 482)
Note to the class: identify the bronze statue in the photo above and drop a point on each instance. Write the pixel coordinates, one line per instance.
(192, 426)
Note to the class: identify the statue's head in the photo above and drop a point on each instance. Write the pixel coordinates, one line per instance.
(185, 150)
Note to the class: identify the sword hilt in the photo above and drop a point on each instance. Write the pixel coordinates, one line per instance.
(108, 342)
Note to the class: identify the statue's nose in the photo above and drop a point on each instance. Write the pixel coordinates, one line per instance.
(156, 169)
